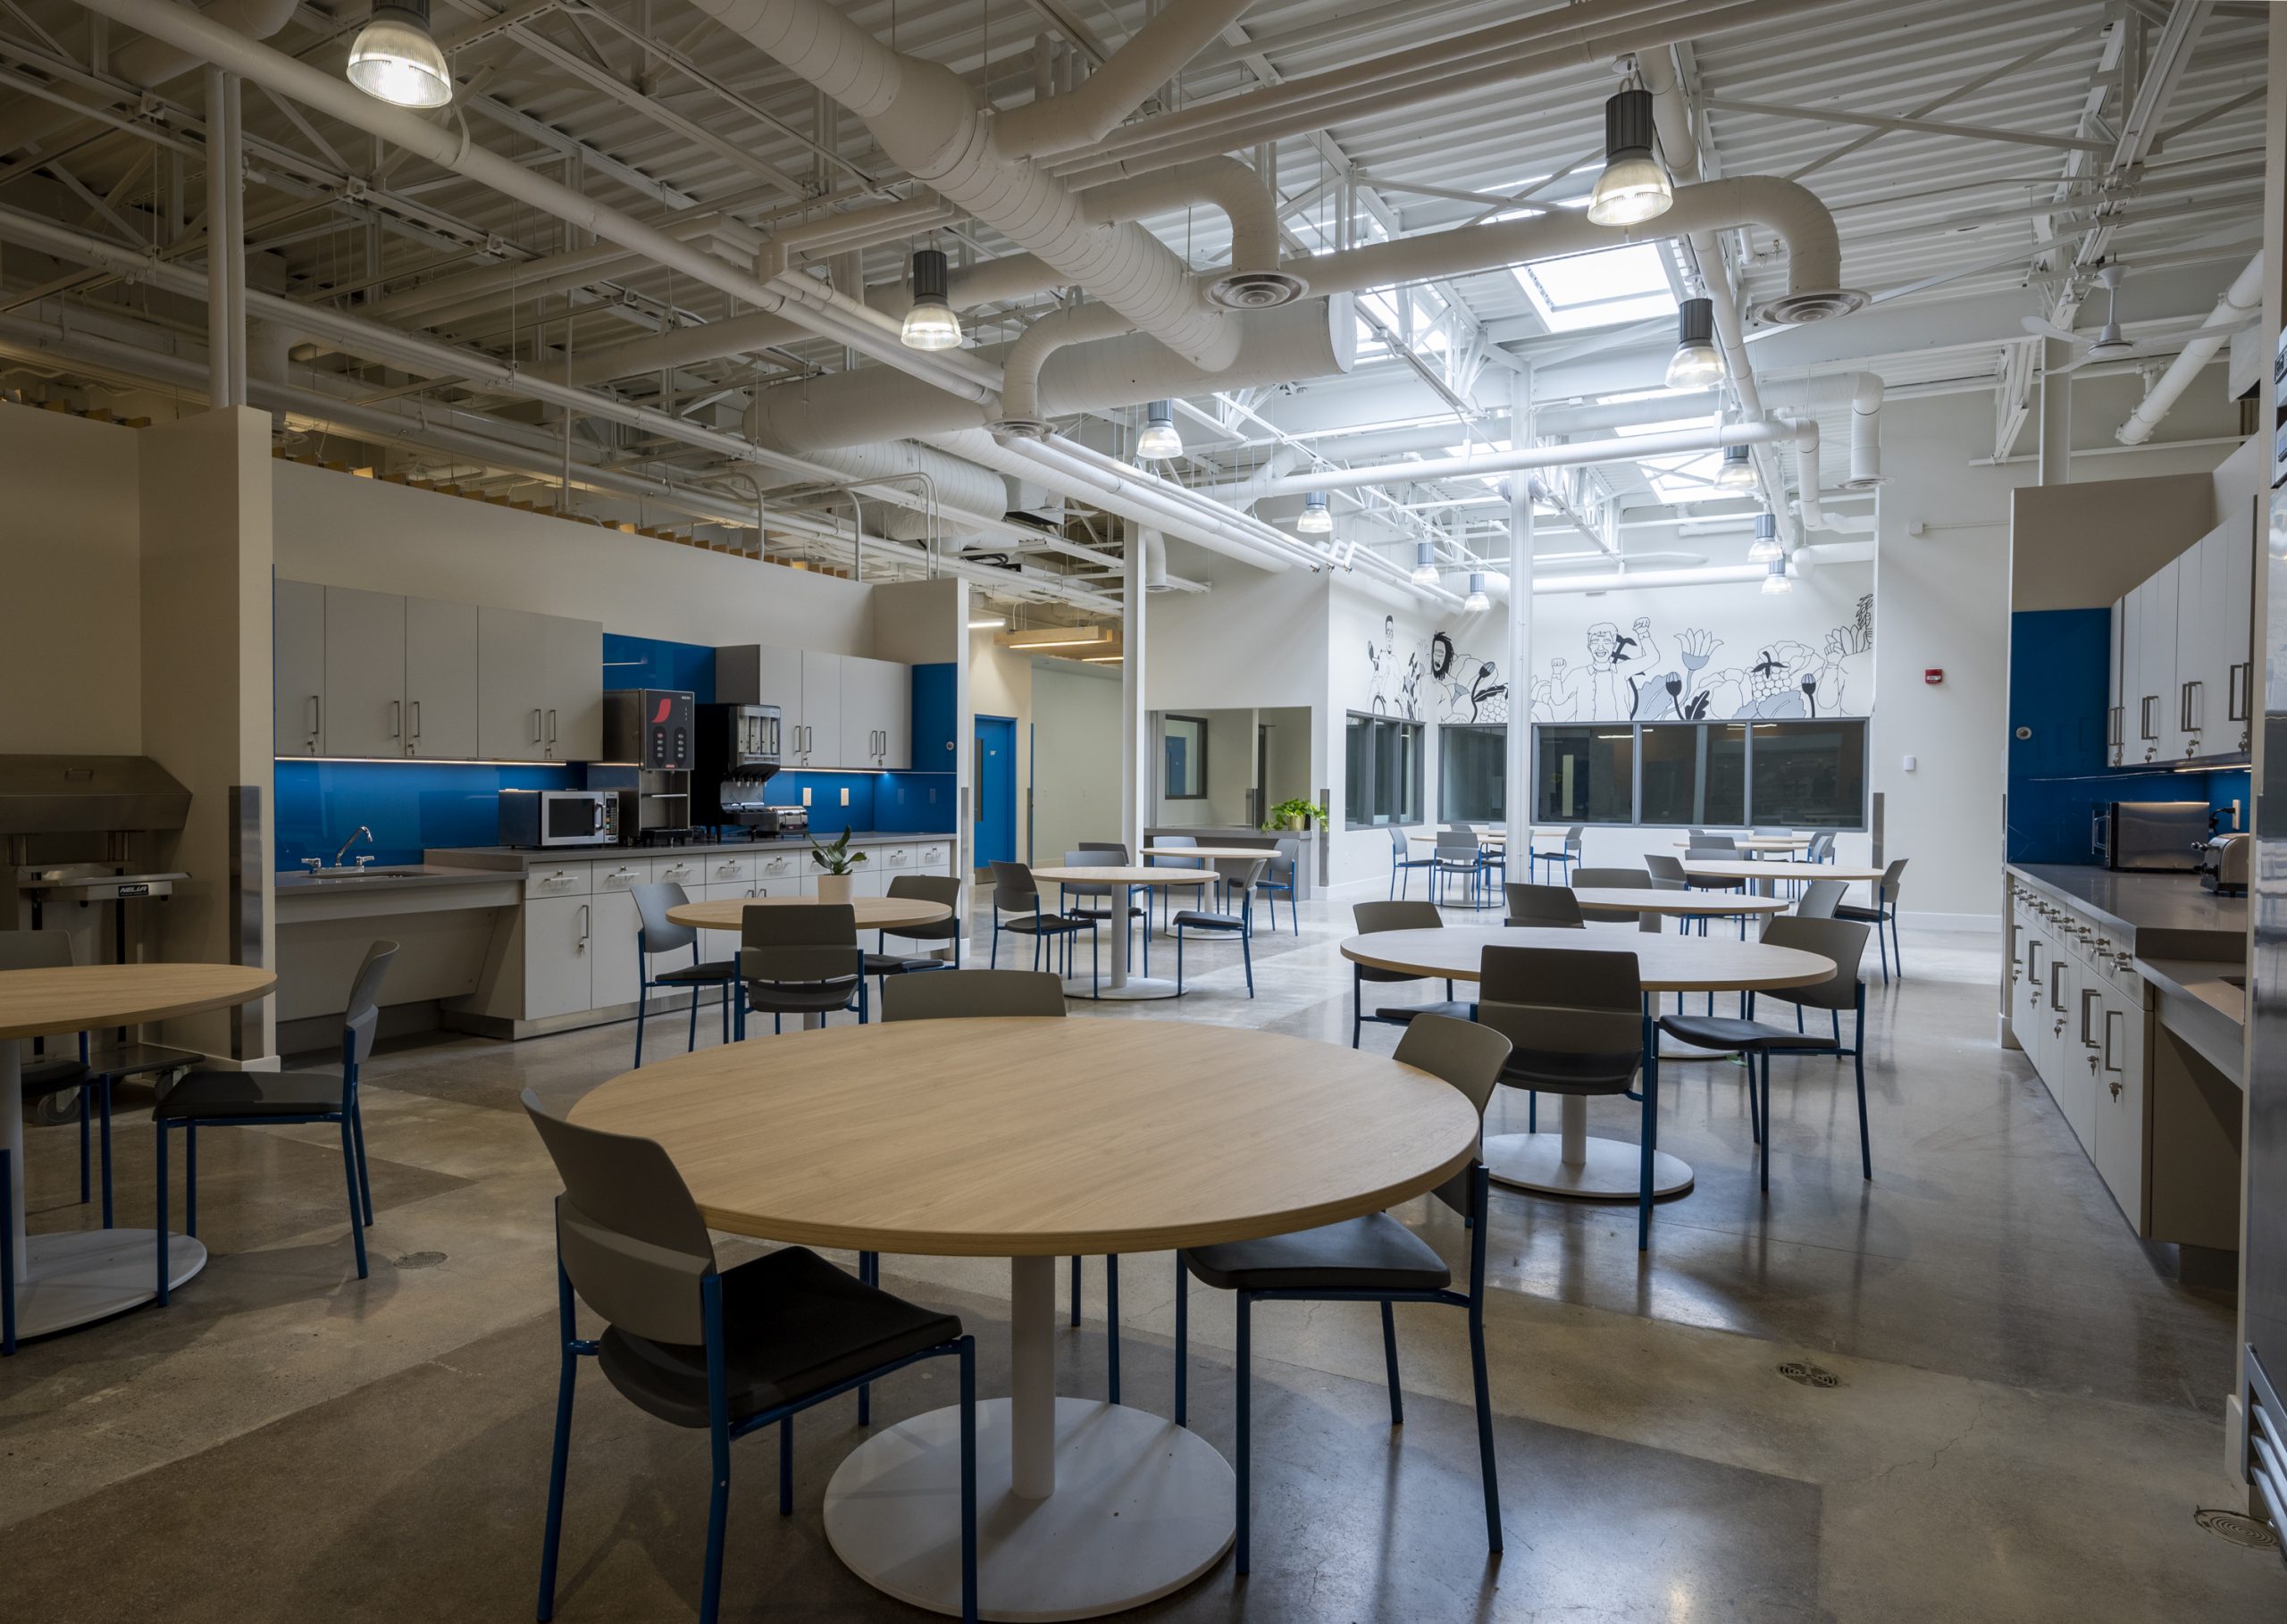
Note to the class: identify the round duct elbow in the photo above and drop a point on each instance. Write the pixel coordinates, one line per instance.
(1019, 428)
(1255, 289)
(1795, 306)
(1155, 562)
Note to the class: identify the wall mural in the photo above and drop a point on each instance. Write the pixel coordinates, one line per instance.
(1395, 688)
(1469, 687)
(1641, 674)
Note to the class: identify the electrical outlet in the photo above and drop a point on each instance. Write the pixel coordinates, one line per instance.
(845, 795)
(806, 795)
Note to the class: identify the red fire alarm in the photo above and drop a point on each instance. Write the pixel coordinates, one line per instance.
(1934, 675)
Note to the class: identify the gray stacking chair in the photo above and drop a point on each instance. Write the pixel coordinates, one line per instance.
(1403, 915)
(1403, 863)
(1713, 846)
(1553, 906)
(799, 961)
(655, 933)
(279, 1099)
(1280, 876)
(1575, 1019)
(1374, 1259)
(728, 1351)
(1612, 879)
(1100, 904)
(1820, 899)
(1457, 852)
(1166, 892)
(1820, 849)
(882, 964)
(1567, 855)
(1883, 914)
(1238, 876)
(1666, 871)
(1016, 891)
(1842, 941)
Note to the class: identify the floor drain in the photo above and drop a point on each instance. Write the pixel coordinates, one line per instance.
(2248, 1531)
(1808, 1374)
(421, 1259)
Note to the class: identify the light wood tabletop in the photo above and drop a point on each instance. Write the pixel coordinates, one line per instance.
(1665, 963)
(1762, 842)
(1777, 869)
(1496, 837)
(1629, 899)
(873, 913)
(1039, 1137)
(1127, 876)
(75, 998)
(1237, 853)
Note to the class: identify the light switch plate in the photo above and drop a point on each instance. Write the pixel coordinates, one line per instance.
(845, 795)
(806, 795)
(1911, 763)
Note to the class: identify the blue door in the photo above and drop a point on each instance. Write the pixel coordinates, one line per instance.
(996, 790)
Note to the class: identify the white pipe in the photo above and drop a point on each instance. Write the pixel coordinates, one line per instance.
(1710, 574)
(931, 123)
(454, 150)
(965, 492)
(145, 63)
(1862, 392)
(1020, 367)
(1814, 516)
(1621, 448)
(1255, 281)
(1111, 475)
(2241, 299)
(1153, 54)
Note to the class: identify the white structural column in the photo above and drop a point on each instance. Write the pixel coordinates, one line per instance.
(226, 305)
(2056, 413)
(1518, 656)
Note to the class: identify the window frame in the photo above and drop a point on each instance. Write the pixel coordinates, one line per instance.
(1399, 726)
(1199, 776)
(1498, 730)
(1702, 762)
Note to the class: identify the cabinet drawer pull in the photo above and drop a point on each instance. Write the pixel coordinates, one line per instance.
(584, 925)
(2236, 691)
(2110, 1017)
(2088, 996)
(315, 713)
(535, 725)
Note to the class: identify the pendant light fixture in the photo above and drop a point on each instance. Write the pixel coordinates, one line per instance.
(1738, 472)
(395, 60)
(1696, 364)
(930, 323)
(1634, 187)
(1159, 438)
(1315, 520)
(1765, 548)
(1477, 602)
(1776, 585)
(1425, 563)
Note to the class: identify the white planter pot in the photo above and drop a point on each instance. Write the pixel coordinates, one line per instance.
(834, 887)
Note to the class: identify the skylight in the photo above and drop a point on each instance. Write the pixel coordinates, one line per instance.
(1598, 290)
(1686, 476)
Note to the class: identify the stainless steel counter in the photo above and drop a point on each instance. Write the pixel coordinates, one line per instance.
(520, 857)
(393, 877)
(2168, 915)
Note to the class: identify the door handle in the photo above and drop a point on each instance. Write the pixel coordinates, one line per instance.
(2055, 998)
(396, 718)
(2236, 693)
(551, 726)
(416, 718)
(583, 927)
(2088, 997)
(535, 725)
(314, 728)
(2110, 1017)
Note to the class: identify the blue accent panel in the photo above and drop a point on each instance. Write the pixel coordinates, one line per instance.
(2060, 683)
(913, 803)
(411, 806)
(647, 662)
(828, 816)
(935, 717)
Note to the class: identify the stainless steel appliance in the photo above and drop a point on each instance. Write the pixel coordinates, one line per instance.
(2224, 865)
(649, 728)
(2152, 836)
(559, 817)
(738, 751)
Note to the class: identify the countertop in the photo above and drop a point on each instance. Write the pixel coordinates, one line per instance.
(396, 876)
(519, 857)
(2141, 903)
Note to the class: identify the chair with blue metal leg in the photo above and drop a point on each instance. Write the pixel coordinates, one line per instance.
(1403, 864)
(802, 962)
(1882, 915)
(1166, 909)
(940, 888)
(1403, 915)
(726, 1351)
(1457, 855)
(280, 1098)
(1375, 1258)
(655, 934)
(1101, 904)
(1279, 876)
(1565, 857)
(1016, 891)
(1239, 876)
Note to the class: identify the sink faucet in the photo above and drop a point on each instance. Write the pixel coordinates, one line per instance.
(360, 832)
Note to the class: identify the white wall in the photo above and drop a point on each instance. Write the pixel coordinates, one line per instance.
(1075, 757)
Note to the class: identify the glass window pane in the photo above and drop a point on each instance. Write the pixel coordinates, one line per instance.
(1183, 742)
(1382, 771)
(1810, 774)
(1587, 774)
(1472, 773)
(1726, 804)
(1357, 794)
(1671, 774)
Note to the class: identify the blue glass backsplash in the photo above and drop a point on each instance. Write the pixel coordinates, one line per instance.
(2060, 683)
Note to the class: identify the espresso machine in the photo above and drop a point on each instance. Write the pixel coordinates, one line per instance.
(737, 752)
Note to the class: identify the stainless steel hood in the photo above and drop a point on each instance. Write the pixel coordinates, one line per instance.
(87, 794)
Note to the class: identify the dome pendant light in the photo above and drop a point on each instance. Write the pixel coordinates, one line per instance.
(1425, 563)
(1696, 364)
(1738, 472)
(1765, 548)
(930, 323)
(1477, 602)
(1634, 187)
(1314, 519)
(395, 60)
(1159, 438)
(1776, 585)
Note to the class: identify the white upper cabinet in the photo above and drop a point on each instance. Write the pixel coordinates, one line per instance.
(364, 673)
(836, 710)
(876, 714)
(512, 684)
(2183, 666)
(573, 676)
(822, 739)
(441, 679)
(2192, 619)
(2157, 664)
(298, 669)
(2115, 711)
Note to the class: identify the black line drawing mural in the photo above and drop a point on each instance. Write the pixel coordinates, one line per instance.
(1469, 689)
(1394, 690)
(1638, 676)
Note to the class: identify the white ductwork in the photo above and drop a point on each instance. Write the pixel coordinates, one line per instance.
(1312, 339)
(2242, 300)
(1153, 54)
(1255, 281)
(1768, 431)
(145, 63)
(1020, 367)
(1807, 505)
(957, 487)
(1712, 574)
(933, 126)
(1862, 392)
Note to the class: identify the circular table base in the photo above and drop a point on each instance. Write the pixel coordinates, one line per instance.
(1134, 989)
(1142, 1508)
(92, 1274)
(1612, 1171)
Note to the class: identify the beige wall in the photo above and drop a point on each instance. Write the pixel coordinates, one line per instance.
(71, 655)
(1076, 757)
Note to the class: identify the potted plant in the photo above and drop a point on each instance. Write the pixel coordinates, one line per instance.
(1296, 815)
(839, 864)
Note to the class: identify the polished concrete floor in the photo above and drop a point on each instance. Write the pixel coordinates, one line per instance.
(2024, 1418)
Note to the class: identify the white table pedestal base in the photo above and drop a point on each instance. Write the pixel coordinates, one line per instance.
(1571, 1163)
(92, 1274)
(1135, 987)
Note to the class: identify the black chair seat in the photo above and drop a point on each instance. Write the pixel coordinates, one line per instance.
(898, 964)
(46, 1077)
(792, 1325)
(1570, 1074)
(1134, 912)
(1724, 1032)
(944, 930)
(1371, 1253)
(713, 970)
(1046, 925)
(135, 1059)
(1198, 919)
(800, 998)
(209, 1096)
(1865, 915)
(1460, 1009)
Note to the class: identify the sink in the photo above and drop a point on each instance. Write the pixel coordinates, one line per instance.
(371, 871)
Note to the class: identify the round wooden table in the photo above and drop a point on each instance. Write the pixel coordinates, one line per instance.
(1762, 842)
(1121, 982)
(1654, 906)
(1237, 854)
(64, 1280)
(1763, 874)
(873, 913)
(1570, 1163)
(1031, 1140)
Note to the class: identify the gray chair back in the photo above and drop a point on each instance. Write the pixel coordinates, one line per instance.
(364, 1015)
(1552, 906)
(1461, 828)
(818, 942)
(1572, 838)
(629, 1235)
(1820, 849)
(1014, 889)
(1820, 899)
(1612, 879)
(1407, 916)
(1705, 843)
(1284, 856)
(954, 994)
(1175, 840)
(1667, 871)
(1725, 853)
(1397, 842)
(1887, 893)
(1843, 940)
(929, 888)
(661, 934)
(1456, 846)
(1574, 1004)
(1468, 1056)
(1773, 831)
(1119, 848)
(35, 949)
(1093, 857)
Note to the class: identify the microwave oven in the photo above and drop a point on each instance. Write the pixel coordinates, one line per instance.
(559, 817)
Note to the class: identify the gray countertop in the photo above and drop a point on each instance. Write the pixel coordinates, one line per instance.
(519, 857)
(2195, 924)
(392, 877)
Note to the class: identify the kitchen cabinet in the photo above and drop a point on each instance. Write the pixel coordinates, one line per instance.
(441, 680)
(2116, 1101)
(611, 947)
(838, 711)
(298, 668)
(558, 934)
(2182, 706)
(364, 673)
(2182, 663)
(2126, 677)
(822, 738)
(2156, 663)
(512, 684)
(876, 714)
(572, 676)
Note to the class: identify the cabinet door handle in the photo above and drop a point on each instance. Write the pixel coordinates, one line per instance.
(2088, 997)
(314, 728)
(2112, 726)
(2032, 966)
(416, 718)
(396, 718)
(535, 725)
(2055, 997)
(551, 726)
(2110, 1017)
(2236, 692)
(584, 925)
